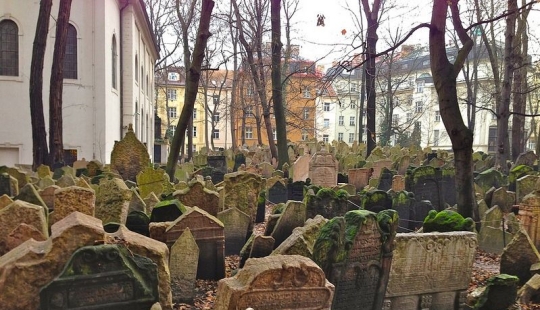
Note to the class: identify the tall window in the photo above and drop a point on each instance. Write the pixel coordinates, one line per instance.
(306, 92)
(492, 139)
(306, 113)
(341, 120)
(171, 94)
(172, 112)
(114, 55)
(215, 134)
(419, 107)
(353, 87)
(395, 120)
(409, 117)
(194, 131)
(304, 135)
(215, 117)
(353, 104)
(274, 134)
(352, 121)
(171, 131)
(194, 113)
(326, 106)
(340, 136)
(436, 135)
(215, 100)
(136, 69)
(326, 122)
(351, 137)
(437, 116)
(70, 59)
(142, 78)
(325, 138)
(249, 111)
(249, 133)
(9, 48)
(420, 86)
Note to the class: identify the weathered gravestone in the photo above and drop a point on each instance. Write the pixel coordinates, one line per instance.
(355, 252)
(295, 190)
(435, 185)
(403, 203)
(323, 169)
(239, 159)
(183, 264)
(209, 234)
(431, 271)
(376, 201)
(524, 186)
(236, 224)
(241, 190)
(138, 221)
(219, 167)
(167, 211)
(300, 168)
(5, 200)
(277, 193)
(493, 236)
(327, 202)
(19, 212)
(359, 177)
(529, 214)
(70, 199)
(112, 201)
(5, 185)
(129, 156)
(153, 180)
(293, 215)
(385, 179)
(107, 277)
(198, 195)
(276, 282)
(490, 178)
(302, 239)
(398, 183)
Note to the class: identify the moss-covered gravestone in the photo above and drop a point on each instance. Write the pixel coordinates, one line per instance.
(355, 252)
(499, 293)
(103, 277)
(447, 220)
(153, 180)
(129, 156)
(327, 202)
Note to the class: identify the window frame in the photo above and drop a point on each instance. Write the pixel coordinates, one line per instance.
(70, 58)
(9, 36)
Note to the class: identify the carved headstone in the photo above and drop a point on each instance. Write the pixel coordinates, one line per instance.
(183, 264)
(276, 282)
(236, 224)
(70, 199)
(323, 169)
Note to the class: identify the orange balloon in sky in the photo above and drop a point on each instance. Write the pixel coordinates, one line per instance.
(343, 31)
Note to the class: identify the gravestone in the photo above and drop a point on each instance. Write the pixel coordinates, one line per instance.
(153, 180)
(70, 199)
(65, 181)
(197, 195)
(208, 232)
(379, 165)
(112, 201)
(300, 168)
(493, 237)
(355, 252)
(277, 193)
(295, 190)
(219, 168)
(327, 203)
(302, 239)
(136, 203)
(241, 190)
(385, 180)
(293, 215)
(403, 203)
(138, 221)
(5, 185)
(239, 159)
(504, 199)
(527, 158)
(30, 194)
(490, 178)
(524, 186)
(19, 212)
(129, 156)
(183, 264)
(167, 211)
(47, 195)
(423, 182)
(359, 177)
(44, 182)
(21, 234)
(529, 214)
(431, 271)
(261, 246)
(276, 282)
(376, 201)
(5, 200)
(103, 277)
(398, 183)
(236, 224)
(323, 170)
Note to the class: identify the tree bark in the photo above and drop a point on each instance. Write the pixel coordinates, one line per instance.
(277, 95)
(192, 86)
(40, 152)
(444, 77)
(503, 110)
(56, 142)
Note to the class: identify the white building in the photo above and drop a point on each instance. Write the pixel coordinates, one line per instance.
(108, 84)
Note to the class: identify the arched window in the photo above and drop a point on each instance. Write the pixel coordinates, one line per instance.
(70, 59)
(9, 48)
(136, 69)
(114, 62)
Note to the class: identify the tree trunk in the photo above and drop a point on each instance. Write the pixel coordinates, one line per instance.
(192, 86)
(277, 98)
(503, 110)
(56, 142)
(444, 77)
(40, 152)
(372, 16)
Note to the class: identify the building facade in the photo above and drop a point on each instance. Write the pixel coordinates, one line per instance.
(108, 77)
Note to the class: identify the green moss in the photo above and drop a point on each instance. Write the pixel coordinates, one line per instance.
(326, 193)
(447, 220)
(423, 171)
(342, 194)
(504, 289)
(262, 198)
(355, 219)
(518, 172)
(278, 209)
(329, 246)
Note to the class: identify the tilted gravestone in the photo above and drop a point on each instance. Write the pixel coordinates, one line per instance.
(196, 194)
(183, 264)
(236, 224)
(70, 199)
(103, 277)
(276, 282)
(112, 201)
(355, 252)
(293, 215)
(209, 233)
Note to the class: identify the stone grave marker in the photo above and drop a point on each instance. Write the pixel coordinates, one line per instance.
(44, 182)
(300, 168)
(239, 159)
(136, 203)
(277, 193)
(138, 221)
(492, 238)
(236, 224)
(65, 181)
(70, 199)
(323, 170)
(30, 194)
(208, 231)
(490, 178)
(398, 183)
(385, 180)
(266, 169)
(276, 282)
(219, 165)
(295, 190)
(129, 156)
(241, 190)
(359, 177)
(103, 277)
(167, 211)
(355, 253)
(5, 185)
(430, 271)
(327, 203)
(47, 195)
(21, 177)
(423, 182)
(183, 264)
(504, 199)
(403, 203)
(150, 201)
(153, 180)
(198, 195)
(376, 201)
(524, 186)
(112, 201)
(302, 239)
(528, 214)
(19, 212)
(293, 215)
(527, 158)
(20, 234)
(262, 246)
(5, 200)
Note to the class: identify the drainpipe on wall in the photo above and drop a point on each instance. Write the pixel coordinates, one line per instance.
(121, 63)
